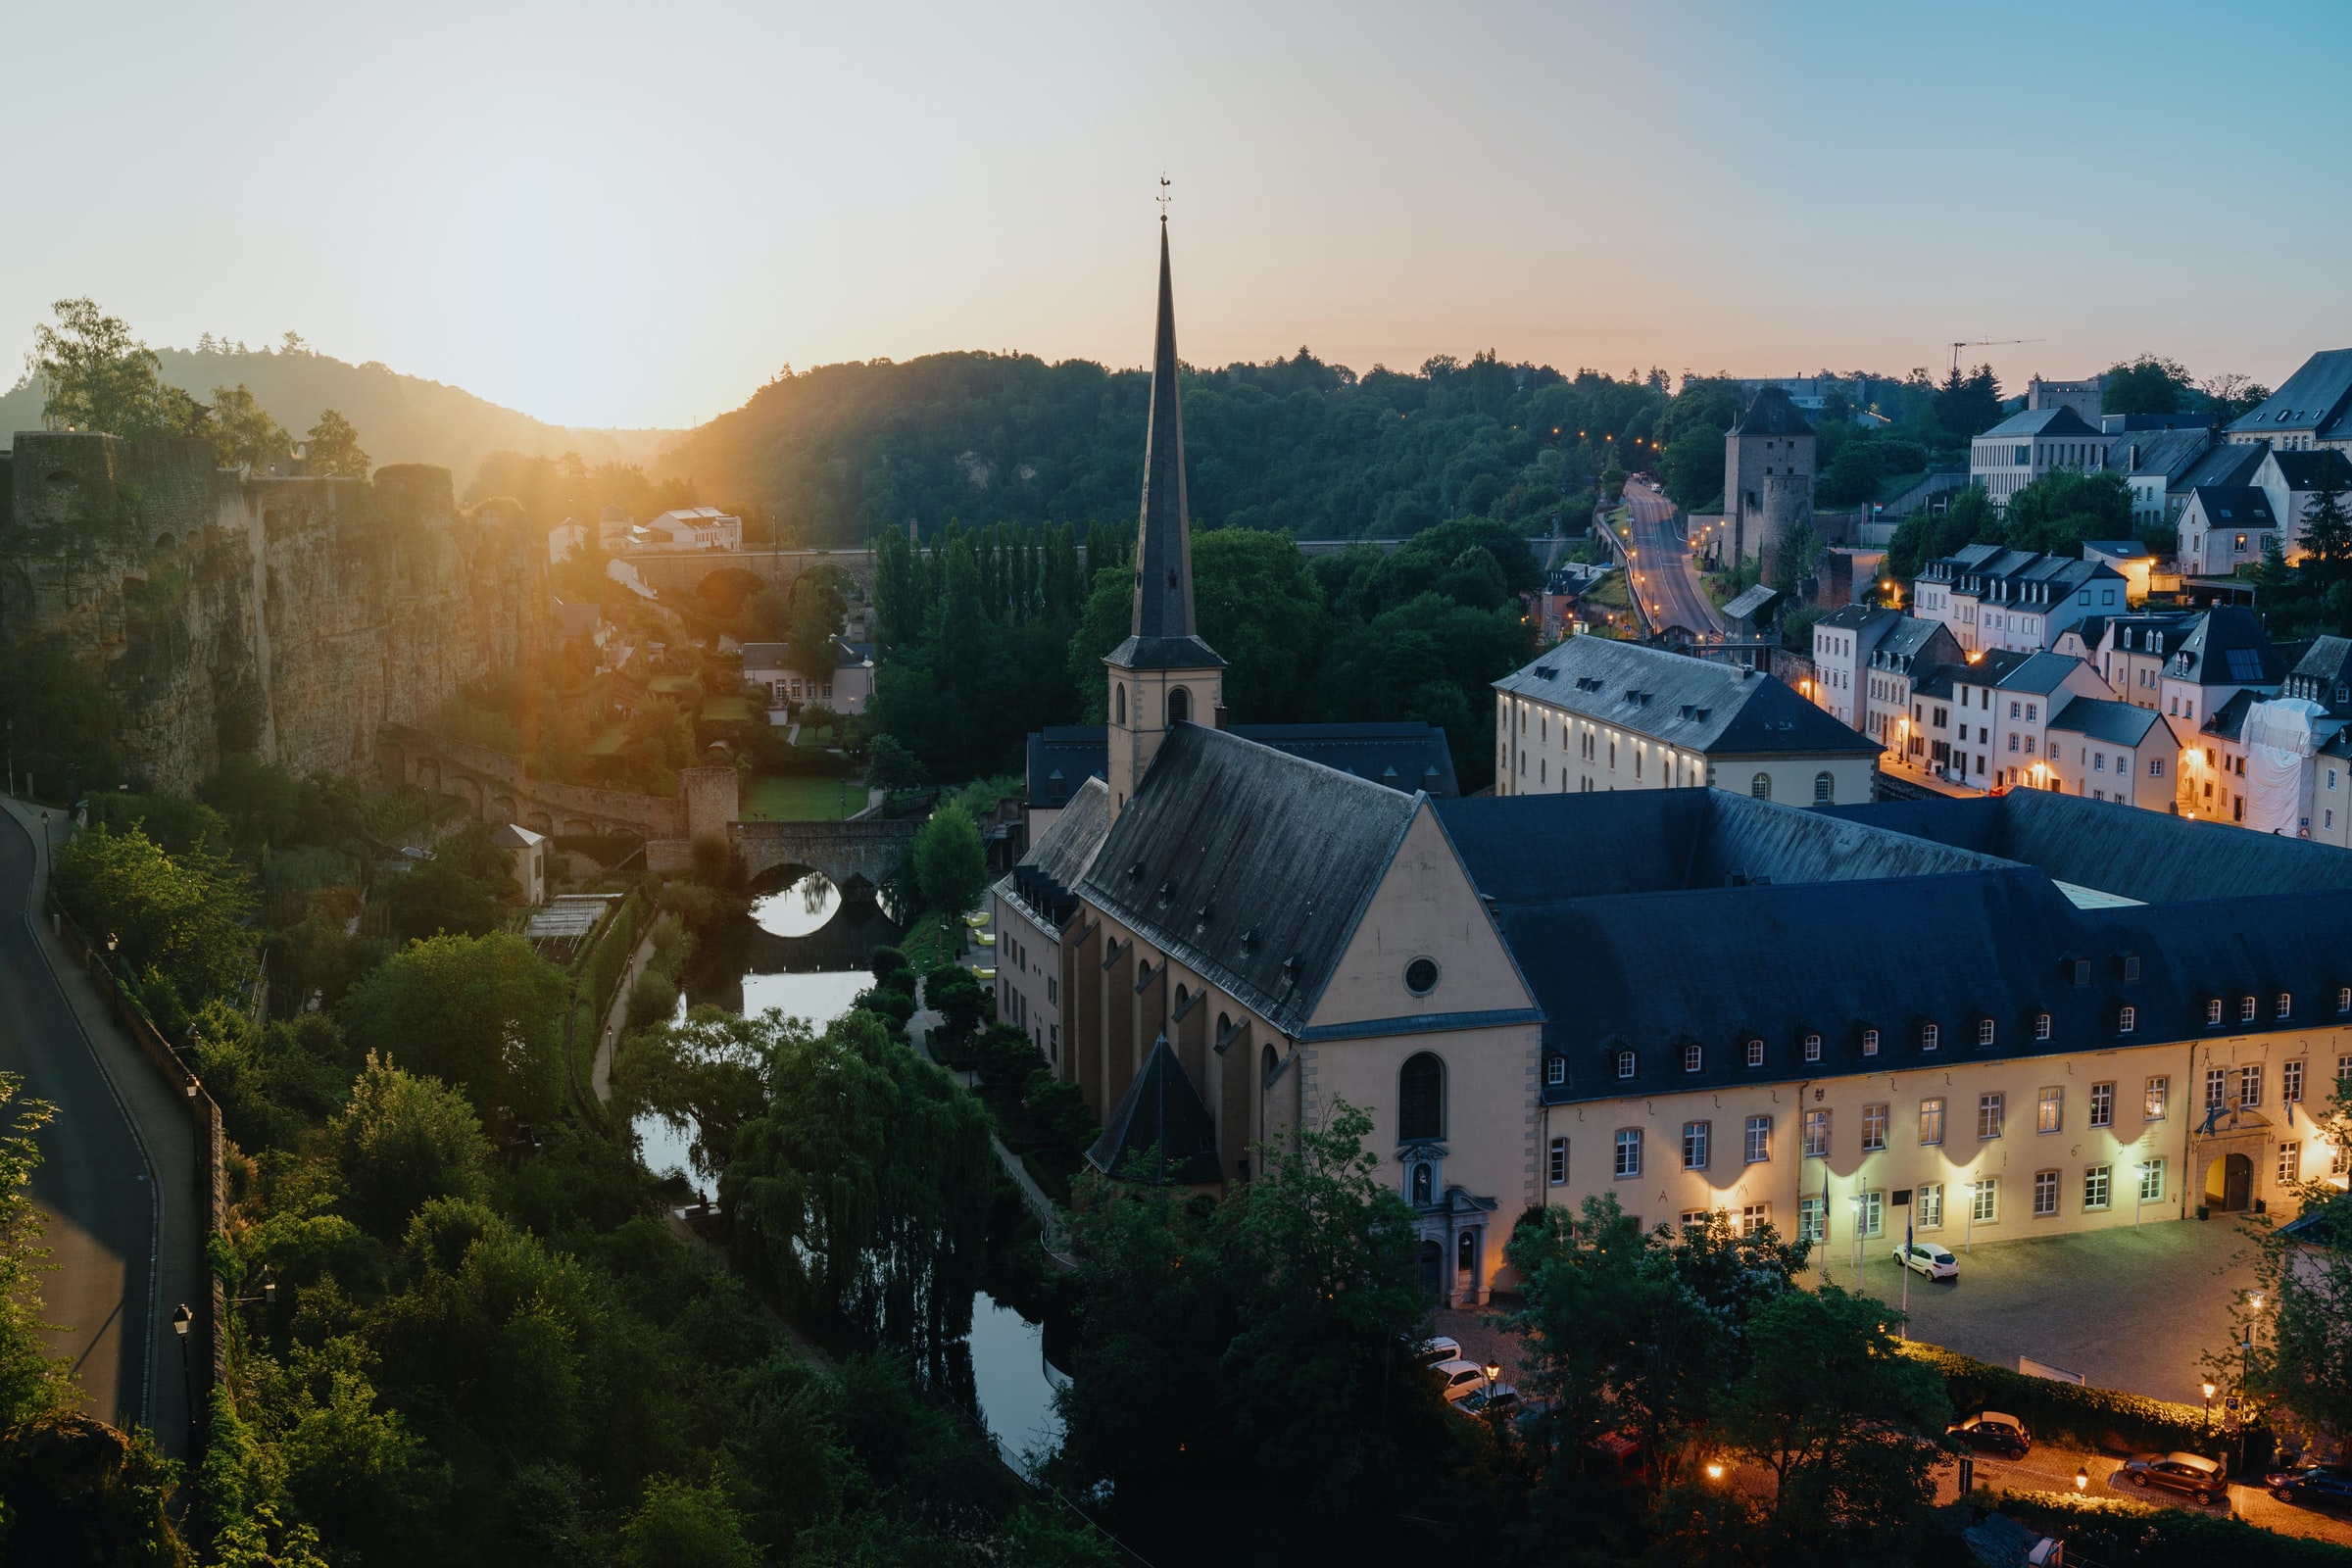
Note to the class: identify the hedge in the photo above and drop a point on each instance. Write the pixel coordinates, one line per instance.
(2110, 1530)
(2099, 1418)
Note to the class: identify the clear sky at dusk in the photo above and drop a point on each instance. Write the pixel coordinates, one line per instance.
(608, 215)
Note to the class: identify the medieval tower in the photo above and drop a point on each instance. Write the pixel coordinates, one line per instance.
(1767, 476)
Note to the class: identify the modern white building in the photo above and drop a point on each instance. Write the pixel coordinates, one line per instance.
(768, 670)
(2024, 445)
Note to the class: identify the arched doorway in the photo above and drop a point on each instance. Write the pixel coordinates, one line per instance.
(2229, 1183)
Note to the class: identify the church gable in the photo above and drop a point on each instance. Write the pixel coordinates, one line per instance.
(1423, 948)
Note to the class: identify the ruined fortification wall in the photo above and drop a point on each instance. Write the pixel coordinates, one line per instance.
(284, 617)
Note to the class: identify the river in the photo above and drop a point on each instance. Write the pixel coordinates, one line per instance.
(804, 954)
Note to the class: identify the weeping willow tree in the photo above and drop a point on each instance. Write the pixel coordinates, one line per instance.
(860, 1187)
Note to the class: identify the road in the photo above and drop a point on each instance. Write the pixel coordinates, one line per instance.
(1664, 576)
(124, 1245)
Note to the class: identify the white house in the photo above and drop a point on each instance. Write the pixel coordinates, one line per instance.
(694, 528)
(2312, 410)
(2109, 751)
(526, 855)
(1991, 596)
(1908, 656)
(2291, 481)
(1842, 643)
(2026, 698)
(845, 688)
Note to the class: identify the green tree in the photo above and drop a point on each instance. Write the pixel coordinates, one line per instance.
(243, 431)
(1849, 1428)
(950, 863)
(2148, 385)
(1693, 466)
(180, 918)
(819, 611)
(2326, 535)
(403, 1140)
(31, 1382)
(464, 889)
(707, 1074)
(1968, 405)
(892, 766)
(95, 376)
(483, 1013)
(1256, 589)
(681, 1526)
(2060, 510)
(333, 448)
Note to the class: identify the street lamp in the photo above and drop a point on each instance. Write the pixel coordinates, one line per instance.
(2245, 1375)
(1493, 1370)
(1714, 1470)
(2082, 1477)
(1968, 1244)
(2208, 1387)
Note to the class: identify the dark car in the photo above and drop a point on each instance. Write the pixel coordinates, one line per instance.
(2313, 1485)
(1990, 1430)
(2192, 1473)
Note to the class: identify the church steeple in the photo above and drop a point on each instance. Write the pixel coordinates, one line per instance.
(1164, 675)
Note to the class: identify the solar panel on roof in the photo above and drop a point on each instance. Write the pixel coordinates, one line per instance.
(2244, 663)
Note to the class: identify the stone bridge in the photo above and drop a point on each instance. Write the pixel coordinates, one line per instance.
(496, 787)
(860, 849)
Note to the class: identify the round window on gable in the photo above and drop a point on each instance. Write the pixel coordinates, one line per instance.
(1421, 976)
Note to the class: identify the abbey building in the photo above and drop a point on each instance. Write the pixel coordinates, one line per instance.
(1998, 1017)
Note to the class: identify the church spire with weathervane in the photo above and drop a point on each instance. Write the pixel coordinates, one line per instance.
(1164, 675)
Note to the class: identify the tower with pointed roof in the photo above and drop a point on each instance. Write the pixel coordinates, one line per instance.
(1164, 675)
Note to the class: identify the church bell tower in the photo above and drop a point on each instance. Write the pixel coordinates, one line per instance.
(1164, 675)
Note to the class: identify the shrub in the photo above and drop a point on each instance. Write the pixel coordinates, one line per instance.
(2112, 1530)
(2104, 1418)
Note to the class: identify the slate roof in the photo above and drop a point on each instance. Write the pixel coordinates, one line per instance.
(2323, 673)
(1717, 709)
(1771, 412)
(2057, 425)
(2232, 464)
(1404, 755)
(2227, 647)
(1644, 970)
(1857, 616)
(2311, 471)
(2316, 399)
(1066, 849)
(2228, 722)
(2039, 673)
(2152, 856)
(2170, 452)
(2017, 576)
(2233, 505)
(1160, 1113)
(1248, 866)
(1908, 639)
(1758, 602)
(2099, 720)
(2152, 632)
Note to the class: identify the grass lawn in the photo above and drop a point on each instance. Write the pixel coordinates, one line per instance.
(800, 798)
(929, 942)
(727, 709)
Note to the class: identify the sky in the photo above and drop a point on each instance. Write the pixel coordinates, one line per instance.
(635, 215)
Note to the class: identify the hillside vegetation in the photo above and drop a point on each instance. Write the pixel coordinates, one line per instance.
(840, 452)
(408, 418)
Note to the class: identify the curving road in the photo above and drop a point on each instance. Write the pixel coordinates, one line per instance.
(124, 1244)
(1664, 576)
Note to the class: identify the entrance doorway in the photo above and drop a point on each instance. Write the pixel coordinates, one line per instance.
(2229, 1183)
(1433, 1261)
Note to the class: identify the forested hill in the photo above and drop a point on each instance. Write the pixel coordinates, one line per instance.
(836, 453)
(400, 419)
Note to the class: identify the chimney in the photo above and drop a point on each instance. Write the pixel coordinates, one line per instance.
(1220, 715)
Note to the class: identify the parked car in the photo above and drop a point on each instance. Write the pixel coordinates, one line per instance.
(1503, 1399)
(2192, 1473)
(1441, 1347)
(1926, 1257)
(1991, 1430)
(2313, 1485)
(1461, 1378)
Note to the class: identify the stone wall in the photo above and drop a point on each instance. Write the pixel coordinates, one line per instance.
(285, 616)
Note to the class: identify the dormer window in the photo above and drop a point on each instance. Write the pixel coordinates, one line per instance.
(2284, 1006)
(1625, 1064)
(2126, 1019)
(2213, 1010)
(1755, 1052)
(2131, 966)
(1694, 1056)
(2041, 1026)
(1812, 1047)
(1929, 1034)
(1555, 1072)
(1985, 1031)
(2245, 1010)
(1870, 1042)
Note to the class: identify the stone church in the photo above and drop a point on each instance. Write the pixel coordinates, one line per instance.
(2021, 1015)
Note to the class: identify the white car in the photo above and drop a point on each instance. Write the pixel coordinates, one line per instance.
(1936, 1262)
(1439, 1348)
(1461, 1378)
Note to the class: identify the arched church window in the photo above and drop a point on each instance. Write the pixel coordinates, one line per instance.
(1119, 700)
(1421, 1098)
(1180, 706)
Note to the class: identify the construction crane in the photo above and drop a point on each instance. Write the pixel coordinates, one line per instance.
(1987, 343)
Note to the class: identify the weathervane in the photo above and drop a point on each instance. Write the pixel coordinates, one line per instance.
(1163, 198)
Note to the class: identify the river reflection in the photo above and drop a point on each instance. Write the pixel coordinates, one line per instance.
(806, 951)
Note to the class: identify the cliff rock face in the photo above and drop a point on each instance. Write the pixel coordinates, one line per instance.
(284, 617)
